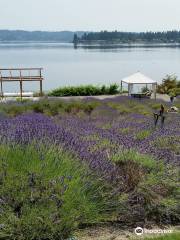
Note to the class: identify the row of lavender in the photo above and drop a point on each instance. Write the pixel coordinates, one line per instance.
(37, 127)
(96, 138)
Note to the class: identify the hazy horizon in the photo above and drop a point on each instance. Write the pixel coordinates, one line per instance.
(94, 15)
(40, 30)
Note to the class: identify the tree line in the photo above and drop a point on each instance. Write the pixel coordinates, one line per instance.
(130, 37)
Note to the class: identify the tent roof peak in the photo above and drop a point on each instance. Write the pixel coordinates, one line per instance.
(138, 78)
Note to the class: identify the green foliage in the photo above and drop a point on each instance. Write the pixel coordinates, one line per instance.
(127, 156)
(13, 109)
(134, 166)
(50, 108)
(152, 188)
(103, 143)
(145, 89)
(45, 193)
(88, 90)
(159, 189)
(170, 82)
(119, 107)
(125, 130)
(156, 106)
(80, 107)
(166, 143)
(130, 37)
(75, 39)
(130, 106)
(23, 100)
(174, 92)
(113, 89)
(142, 134)
(173, 236)
(38, 108)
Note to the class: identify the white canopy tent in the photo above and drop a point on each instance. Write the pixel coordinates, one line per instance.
(139, 78)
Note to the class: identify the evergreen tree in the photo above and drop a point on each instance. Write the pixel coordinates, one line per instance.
(149, 37)
(75, 39)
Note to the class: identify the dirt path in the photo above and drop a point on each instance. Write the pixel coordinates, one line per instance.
(163, 97)
(115, 233)
(104, 233)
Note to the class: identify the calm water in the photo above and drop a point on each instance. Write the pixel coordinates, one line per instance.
(63, 65)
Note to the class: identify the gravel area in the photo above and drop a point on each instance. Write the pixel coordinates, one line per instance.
(163, 97)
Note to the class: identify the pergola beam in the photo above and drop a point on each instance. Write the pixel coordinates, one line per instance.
(10, 75)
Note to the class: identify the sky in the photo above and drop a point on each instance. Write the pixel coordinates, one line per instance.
(90, 15)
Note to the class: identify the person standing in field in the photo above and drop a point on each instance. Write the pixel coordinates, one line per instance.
(161, 114)
(172, 99)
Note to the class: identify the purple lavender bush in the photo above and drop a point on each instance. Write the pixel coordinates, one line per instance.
(119, 143)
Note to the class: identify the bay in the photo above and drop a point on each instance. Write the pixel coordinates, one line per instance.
(63, 65)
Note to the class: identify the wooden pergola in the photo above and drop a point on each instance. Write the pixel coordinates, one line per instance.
(21, 75)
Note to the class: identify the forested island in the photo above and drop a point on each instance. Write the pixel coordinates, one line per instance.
(128, 37)
(85, 37)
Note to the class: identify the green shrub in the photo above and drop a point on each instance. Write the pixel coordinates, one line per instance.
(45, 193)
(88, 90)
(38, 108)
(125, 156)
(169, 82)
(77, 106)
(159, 191)
(49, 107)
(174, 92)
(113, 89)
(145, 89)
(134, 166)
(152, 188)
(14, 109)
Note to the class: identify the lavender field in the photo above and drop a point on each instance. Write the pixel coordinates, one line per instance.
(129, 168)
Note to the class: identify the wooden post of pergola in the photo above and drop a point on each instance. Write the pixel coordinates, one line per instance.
(21, 89)
(1, 85)
(20, 75)
(41, 90)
